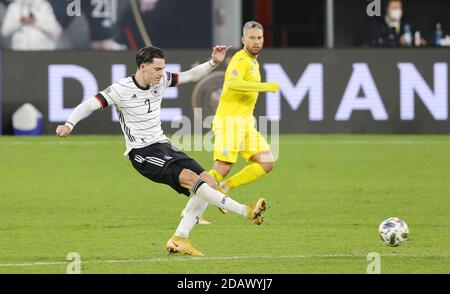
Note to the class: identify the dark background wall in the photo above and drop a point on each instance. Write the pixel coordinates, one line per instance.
(175, 24)
(290, 23)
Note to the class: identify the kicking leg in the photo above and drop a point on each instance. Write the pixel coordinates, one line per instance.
(179, 242)
(201, 185)
(204, 193)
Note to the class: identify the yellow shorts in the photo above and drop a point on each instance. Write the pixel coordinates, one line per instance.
(238, 140)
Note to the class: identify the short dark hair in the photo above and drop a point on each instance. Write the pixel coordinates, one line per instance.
(146, 55)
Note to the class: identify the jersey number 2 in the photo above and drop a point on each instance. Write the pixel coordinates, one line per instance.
(149, 106)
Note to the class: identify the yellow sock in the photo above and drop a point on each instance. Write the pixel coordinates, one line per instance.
(217, 176)
(248, 174)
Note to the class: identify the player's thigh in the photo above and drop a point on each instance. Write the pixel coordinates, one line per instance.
(167, 173)
(265, 158)
(192, 166)
(254, 144)
(163, 163)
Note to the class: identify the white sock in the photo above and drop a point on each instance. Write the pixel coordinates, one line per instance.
(194, 209)
(218, 199)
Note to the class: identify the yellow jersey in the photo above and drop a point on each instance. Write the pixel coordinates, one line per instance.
(235, 103)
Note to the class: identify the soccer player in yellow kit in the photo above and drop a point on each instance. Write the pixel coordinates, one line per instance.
(234, 125)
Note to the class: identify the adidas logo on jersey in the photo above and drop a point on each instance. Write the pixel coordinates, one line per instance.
(167, 157)
(134, 96)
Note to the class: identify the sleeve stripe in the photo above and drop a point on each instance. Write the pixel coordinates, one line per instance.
(174, 80)
(102, 100)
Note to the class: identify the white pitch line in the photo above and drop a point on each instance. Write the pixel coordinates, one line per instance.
(29, 264)
(169, 259)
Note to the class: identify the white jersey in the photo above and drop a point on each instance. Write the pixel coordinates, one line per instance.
(138, 109)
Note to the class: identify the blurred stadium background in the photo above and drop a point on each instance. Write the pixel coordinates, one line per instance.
(362, 113)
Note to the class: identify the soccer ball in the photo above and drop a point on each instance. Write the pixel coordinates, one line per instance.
(393, 231)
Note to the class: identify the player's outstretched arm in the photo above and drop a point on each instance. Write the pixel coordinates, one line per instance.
(80, 112)
(234, 79)
(240, 85)
(196, 73)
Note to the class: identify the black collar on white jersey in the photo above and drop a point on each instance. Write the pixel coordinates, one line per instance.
(137, 84)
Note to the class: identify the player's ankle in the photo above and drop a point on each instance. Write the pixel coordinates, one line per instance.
(179, 238)
(250, 213)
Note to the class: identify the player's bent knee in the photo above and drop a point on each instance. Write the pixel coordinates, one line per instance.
(222, 167)
(265, 159)
(268, 166)
(188, 178)
(209, 179)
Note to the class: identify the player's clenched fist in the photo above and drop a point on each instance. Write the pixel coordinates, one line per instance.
(63, 131)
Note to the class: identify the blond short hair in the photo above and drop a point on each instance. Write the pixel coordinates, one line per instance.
(250, 25)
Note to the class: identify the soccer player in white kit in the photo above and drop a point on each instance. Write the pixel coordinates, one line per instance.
(137, 100)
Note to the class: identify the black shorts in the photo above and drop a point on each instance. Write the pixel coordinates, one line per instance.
(163, 163)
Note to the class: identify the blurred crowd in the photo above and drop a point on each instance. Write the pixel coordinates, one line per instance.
(395, 29)
(124, 24)
(96, 24)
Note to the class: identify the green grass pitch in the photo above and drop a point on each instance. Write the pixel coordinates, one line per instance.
(326, 197)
